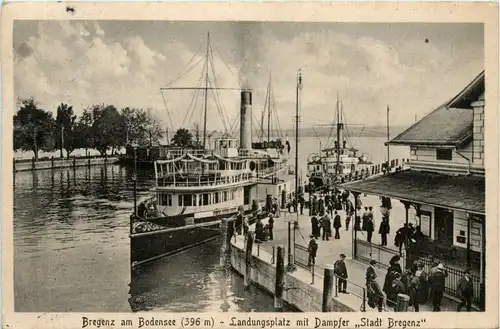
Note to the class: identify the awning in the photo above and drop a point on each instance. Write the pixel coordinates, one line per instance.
(466, 193)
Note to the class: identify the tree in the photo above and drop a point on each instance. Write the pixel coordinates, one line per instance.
(83, 130)
(33, 128)
(183, 138)
(108, 128)
(154, 127)
(142, 127)
(65, 130)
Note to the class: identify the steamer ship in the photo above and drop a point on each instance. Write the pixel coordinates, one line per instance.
(196, 188)
(339, 163)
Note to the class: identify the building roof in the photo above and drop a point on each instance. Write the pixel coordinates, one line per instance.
(444, 126)
(465, 193)
(450, 124)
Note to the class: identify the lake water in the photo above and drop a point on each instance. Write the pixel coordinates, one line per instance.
(71, 247)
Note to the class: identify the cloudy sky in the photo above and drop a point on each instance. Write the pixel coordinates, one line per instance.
(412, 67)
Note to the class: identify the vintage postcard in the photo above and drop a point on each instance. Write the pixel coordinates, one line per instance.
(250, 165)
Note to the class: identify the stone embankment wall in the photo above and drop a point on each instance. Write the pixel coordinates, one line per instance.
(62, 163)
(298, 292)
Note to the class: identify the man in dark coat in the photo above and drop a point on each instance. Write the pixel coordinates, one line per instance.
(259, 229)
(370, 272)
(397, 287)
(340, 270)
(326, 225)
(375, 295)
(271, 226)
(438, 280)
(383, 230)
(364, 219)
(401, 237)
(337, 225)
(312, 250)
(466, 291)
(394, 268)
(369, 229)
(315, 229)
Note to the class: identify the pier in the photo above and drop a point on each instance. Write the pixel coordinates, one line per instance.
(304, 288)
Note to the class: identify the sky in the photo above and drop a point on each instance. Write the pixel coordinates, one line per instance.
(413, 68)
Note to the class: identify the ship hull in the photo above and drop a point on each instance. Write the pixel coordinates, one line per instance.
(155, 245)
(151, 246)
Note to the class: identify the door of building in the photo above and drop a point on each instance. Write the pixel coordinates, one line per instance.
(443, 219)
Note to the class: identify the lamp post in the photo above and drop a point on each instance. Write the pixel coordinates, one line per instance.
(134, 178)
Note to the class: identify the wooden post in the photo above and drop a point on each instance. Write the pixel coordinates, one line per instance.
(469, 228)
(280, 279)
(74, 163)
(223, 246)
(33, 163)
(52, 162)
(88, 162)
(402, 303)
(327, 288)
(14, 164)
(248, 258)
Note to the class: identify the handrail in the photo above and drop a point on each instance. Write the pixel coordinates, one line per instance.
(209, 182)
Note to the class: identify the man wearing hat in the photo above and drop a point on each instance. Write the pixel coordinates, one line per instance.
(370, 272)
(438, 280)
(312, 249)
(340, 271)
(270, 227)
(466, 291)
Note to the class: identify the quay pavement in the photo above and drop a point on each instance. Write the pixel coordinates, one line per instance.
(329, 251)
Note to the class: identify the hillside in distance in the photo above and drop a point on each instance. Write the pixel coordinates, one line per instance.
(353, 131)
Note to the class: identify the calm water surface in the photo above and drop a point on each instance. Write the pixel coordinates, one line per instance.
(71, 249)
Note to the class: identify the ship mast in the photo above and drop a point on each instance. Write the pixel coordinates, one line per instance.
(388, 160)
(269, 109)
(339, 127)
(206, 94)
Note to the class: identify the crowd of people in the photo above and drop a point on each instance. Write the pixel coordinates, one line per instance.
(421, 287)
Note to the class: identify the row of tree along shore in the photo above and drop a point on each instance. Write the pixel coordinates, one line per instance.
(100, 127)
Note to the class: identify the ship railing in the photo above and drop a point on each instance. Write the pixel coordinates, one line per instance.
(175, 153)
(271, 170)
(193, 182)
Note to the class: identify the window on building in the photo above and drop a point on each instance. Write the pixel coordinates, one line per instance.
(206, 199)
(179, 202)
(216, 197)
(224, 196)
(169, 200)
(444, 154)
(200, 200)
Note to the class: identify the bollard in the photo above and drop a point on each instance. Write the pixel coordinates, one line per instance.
(248, 259)
(223, 247)
(327, 288)
(280, 279)
(312, 273)
(402, 303)
(336, 286)
(363, 306)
